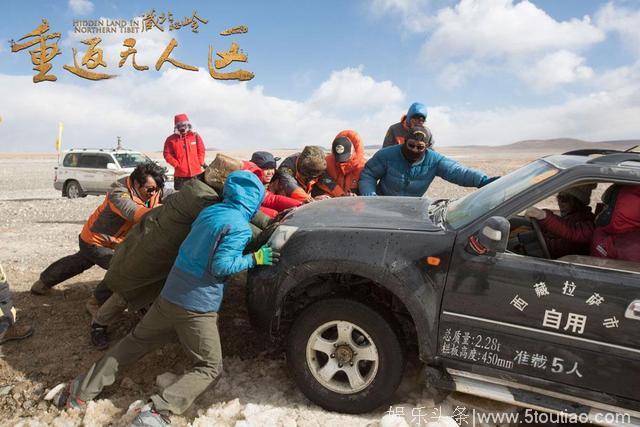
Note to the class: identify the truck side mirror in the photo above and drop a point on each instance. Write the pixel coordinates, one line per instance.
(492, 237)
(112, 166)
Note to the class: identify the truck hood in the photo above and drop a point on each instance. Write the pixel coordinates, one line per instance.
(389, 213)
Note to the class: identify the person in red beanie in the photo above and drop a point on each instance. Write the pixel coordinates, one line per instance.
(184, 150)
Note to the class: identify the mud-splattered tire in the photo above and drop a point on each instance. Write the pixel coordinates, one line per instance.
(345, 356)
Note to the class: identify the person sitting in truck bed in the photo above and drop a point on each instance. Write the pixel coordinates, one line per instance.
(615, 234)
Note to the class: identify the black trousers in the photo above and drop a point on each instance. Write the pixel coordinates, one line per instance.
(72, 265)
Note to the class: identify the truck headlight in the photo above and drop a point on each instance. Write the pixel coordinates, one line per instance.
(280, 236)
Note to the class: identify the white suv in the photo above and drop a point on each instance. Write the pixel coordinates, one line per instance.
(92, 170)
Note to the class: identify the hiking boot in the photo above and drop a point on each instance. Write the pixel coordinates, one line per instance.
(92, 305)
(149, 417)
(17, 331)
(39, 288)
(99, 336)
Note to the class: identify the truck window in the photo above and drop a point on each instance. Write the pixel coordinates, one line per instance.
(131, 160)
(86, 161)
(94, 161)
(71, 160)
(102, 160)
(465, 210)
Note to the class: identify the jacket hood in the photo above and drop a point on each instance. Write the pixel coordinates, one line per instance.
(357, 158)
(417, 109)
(243, 191)
(252, 167)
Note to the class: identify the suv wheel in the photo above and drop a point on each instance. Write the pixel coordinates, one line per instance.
(73, 190)
(345, 356)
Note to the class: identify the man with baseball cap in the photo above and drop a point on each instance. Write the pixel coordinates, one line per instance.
(346, 161)
(265, 161)
(409, 168)
(184, 150)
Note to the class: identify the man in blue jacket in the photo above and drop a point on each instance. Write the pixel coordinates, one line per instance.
(188, 304)
(408, 169)
(399, 132)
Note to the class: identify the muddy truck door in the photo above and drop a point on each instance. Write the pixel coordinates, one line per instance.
(545, 322)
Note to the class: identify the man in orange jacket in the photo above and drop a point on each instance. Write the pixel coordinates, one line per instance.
(184, 150)
(129, 199)
(346, 161)
(303, 176)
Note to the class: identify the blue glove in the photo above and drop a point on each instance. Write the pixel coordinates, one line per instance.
(487, 180)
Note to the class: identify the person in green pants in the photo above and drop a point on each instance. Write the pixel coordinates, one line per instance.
(188, 305)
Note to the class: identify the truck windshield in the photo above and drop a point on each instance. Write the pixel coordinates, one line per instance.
(131, 160)
(465, 210)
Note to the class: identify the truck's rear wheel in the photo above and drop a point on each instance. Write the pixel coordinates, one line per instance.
(345, 356)
(73, 190)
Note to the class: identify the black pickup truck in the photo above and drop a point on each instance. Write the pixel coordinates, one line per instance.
(362, 281)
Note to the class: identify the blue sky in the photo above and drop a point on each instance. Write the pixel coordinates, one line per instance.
(490, 72)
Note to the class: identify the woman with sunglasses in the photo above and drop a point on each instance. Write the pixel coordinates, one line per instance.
(128, 200)
(408, 169)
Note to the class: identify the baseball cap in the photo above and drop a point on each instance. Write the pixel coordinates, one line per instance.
(421, 133)
(341, 149)
(264, 160)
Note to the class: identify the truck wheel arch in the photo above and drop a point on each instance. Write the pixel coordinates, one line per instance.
(420, 299)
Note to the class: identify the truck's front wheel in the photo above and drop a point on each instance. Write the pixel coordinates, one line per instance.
(345, 356)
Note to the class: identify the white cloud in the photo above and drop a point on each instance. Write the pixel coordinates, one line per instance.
(413, 13)
(81, 7)
(623, 21)
(497, 28)
(488, 36)
(557, 68)
(236, 116)
(349, 89)
(606, 115)
(141, 109)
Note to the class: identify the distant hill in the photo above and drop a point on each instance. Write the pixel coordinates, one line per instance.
(560, 145)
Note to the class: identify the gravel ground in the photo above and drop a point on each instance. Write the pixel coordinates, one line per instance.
(38, 226)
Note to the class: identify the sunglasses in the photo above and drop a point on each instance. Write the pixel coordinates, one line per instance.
(416, 147)
(563, 198)
(151, 190)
